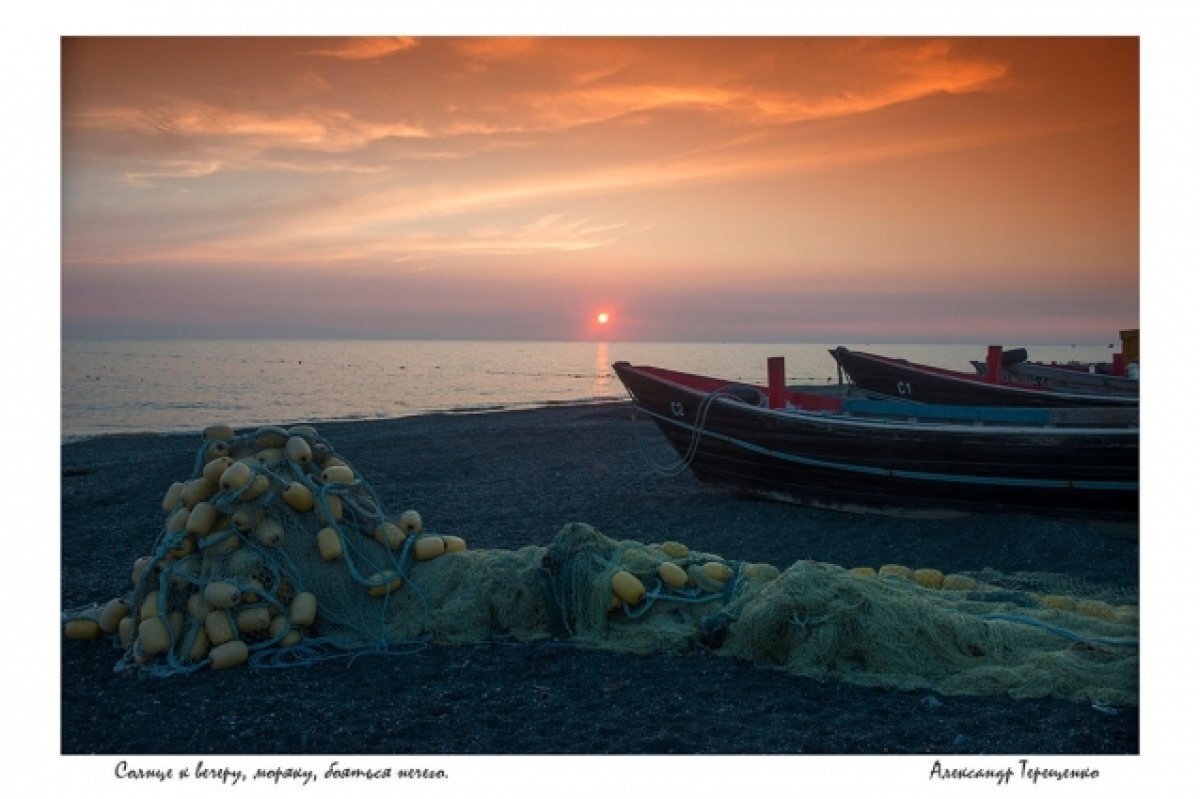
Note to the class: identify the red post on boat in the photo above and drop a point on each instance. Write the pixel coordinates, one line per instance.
(1118, 368)
(776, 383)
(995, 357)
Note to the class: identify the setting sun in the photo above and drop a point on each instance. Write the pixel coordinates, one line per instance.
(602, 318)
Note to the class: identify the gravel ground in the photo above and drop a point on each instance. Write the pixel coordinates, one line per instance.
(506, 480)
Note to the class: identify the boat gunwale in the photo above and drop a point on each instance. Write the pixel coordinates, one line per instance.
(890, 422)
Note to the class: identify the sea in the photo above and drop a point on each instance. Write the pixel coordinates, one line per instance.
(141, 386)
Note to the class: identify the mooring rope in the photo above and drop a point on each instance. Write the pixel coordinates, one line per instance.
(685, 461)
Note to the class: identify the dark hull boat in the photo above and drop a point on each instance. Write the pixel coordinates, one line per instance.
(889, 457)
(895, 377)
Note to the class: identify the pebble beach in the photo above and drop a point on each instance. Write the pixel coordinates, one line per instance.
(510, 479)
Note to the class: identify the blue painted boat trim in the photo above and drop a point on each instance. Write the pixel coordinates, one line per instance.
(980, 413)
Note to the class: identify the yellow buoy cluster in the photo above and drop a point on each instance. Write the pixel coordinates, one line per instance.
(936, 580)
(1097, 609)
(924, 577)
(677, 570)
(271, 533)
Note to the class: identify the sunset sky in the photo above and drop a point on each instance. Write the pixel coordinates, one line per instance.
(817, 189)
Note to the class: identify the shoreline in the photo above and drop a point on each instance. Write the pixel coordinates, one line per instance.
(512, 478)
(465, 410)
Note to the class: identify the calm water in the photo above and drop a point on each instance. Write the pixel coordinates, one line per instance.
(169, 386)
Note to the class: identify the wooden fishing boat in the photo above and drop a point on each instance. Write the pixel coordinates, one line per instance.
(871, 455)
(896, 377)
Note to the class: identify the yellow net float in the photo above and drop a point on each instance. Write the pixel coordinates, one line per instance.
(222, 594)
(895, 570)
(235, 476)
(154, 636)
(1096, 609)
(674, 549)
(149, 607)
(200, 521)
(177, 521)
(297, 450)
(717, 571)
(218, 432)
(82, 630)
(110, 617)
(765, 571)
(959, 582)
(270, 456)
(454, 544)
(329, 544)
(298, 497)
(172, 497)
(126, 630)
(199, 648)
(303, 610)
(334, 502)
(863, 571)
(389, 535)
(305, 431)
(139, 566)
(383, 583)
(252, 620)
(196, 491)
(929, 578)
(231, 653)
(270, 438)
(1055, 602)
(198, 607)
(628, 588)
(280, 627)
(214, 469)
(672, 575)
(337, 474)
(217, 625)
(258, 487)
(410, 522)
(428, 548)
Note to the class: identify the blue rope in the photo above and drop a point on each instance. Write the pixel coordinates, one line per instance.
(1061, 631)
(662, 593)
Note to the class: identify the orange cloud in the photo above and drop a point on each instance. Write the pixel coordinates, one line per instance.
(364, 49)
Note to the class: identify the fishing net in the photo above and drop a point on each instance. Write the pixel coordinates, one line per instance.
(275, 550)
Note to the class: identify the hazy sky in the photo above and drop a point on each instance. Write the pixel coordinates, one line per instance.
(823, 189)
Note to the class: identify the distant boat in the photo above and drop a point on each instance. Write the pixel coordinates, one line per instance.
(1095, 378)
(896, 377)
(883, 456)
